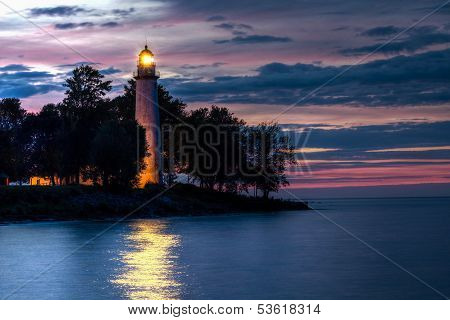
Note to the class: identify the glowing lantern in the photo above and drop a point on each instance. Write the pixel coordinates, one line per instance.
(146, 57)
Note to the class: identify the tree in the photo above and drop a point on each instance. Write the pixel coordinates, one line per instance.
(124, 105)
(211, 148)
(172, 112)
(11, 114)
(15, 144)
(113, 166)
(86, 88)
(269, 152)
(83, 111)
(94, 137)
(48, 143)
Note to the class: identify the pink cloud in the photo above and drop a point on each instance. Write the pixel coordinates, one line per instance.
(404, 174)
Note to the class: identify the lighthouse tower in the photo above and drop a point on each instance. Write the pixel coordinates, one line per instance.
(147, 114)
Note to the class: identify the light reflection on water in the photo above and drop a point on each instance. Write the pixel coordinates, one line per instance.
(149, 270)
(288, 255)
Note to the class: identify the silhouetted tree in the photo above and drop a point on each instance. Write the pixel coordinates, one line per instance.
(113, 166)
(269, 152)
(48, 142)
(211, 151)
(124, 105)
(83, 110)
(86, 88)
(95, 137)
(15, 144)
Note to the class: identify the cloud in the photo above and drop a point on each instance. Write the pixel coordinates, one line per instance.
(202, 66)
(215, 18)
(341, 28)
(252, 39)
(444, 10)
(414, 40)
(420, 79)
(14, 67)
(26, 75)
(60, 11)
(69, 25)
(402, 153)
(123, 13)
(27, 90)
(23, 83)
(381, 31)
(226, 26)
(383, 141)
(110, 70)
(412, 149)
(233, 26)
(77, 64)
(314, 150)
(110, 24)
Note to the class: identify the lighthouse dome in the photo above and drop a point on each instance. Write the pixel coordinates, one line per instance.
(146, 51)
(146, 57)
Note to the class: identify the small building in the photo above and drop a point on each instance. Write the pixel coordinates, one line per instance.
(40, 181)
(4, 179)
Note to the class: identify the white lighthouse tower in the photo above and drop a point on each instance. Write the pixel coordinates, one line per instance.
(147, 114)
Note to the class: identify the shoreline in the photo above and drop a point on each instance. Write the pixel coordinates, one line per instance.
(72, 203)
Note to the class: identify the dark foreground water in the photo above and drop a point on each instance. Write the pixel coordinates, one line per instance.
(288, 255)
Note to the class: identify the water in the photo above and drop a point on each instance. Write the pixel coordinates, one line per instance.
(287, 255)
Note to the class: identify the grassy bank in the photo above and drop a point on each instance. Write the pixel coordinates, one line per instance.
(83, 202)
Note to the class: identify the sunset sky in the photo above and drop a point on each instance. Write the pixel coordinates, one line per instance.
(380, 127)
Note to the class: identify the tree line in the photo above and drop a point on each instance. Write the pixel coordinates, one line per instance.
(90, 137)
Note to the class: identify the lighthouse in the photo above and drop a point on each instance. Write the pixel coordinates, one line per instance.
(147, 115)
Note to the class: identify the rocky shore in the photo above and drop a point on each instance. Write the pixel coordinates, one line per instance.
(89, 203)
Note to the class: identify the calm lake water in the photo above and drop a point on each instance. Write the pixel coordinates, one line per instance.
(287, 255)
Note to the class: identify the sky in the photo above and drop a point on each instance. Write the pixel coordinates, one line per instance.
(363, 85)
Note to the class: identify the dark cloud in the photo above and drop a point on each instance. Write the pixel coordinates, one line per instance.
(420, 79)
(237, 29)
(201, 66)
(444, 10)
(294, 10)
(110, 70)
(27, 90)
(110, 24)
(61, 11)
(233, 26)
(352, 145)
(23, 84)
(239, 33)
(123, 13)
(252, 7)
(215, 18)
(381, 31)
(77, 64)
(26, 75)
(69, 25)
(340, 28)
(14, 67)
(244, 26)
(251, 39)
(373, 137)
(413, 41)
(227, 26)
